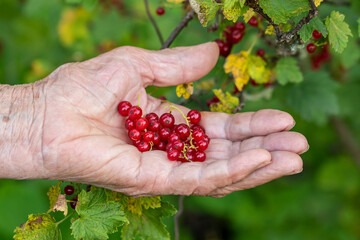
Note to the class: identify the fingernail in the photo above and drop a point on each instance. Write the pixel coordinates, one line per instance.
(297, 171)
(263, 164)
(291, 126)
(307, 149)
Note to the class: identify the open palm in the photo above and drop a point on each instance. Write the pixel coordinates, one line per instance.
(84, 138)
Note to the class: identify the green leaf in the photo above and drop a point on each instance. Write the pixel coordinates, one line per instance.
(242, 3)
(287, 71)
(97, 216)
(205, 9)
(229, 3)
(73, 1)
(90, 4)
(280, 11)
(38, 227)
(338, 31)
(314, 24)
(351, 55)
(358, 26)
(149, 224)
(315, 98)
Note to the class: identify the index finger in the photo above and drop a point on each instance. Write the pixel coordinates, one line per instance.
(244, 125)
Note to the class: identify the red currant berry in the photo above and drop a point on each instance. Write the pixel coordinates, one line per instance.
(154, 125)
(253, 21)
(178, 145)
(73, 202)
(135, 112)
(190, 156)
(152, 116)
(236, 37)
(183, 130)
(224, 47)
(141, 124)
(252, 82)
(173, 155)
(143, 146)
(160, 11)
(136, 142)
(310, 48)
(260, 52)
(124, 107)
(194, 116)
(161, 146)
(167, 120)
(162, 98)
(200, 156)
(129, 124)
(240, 26)
(316, 34)
(164, 134)
(149, 136)
(156, 138)
(206, 138)
(69, 190)
(134, 134)
(169, 147)
(173, 137)
(202, 145)
(194, 127)
(198, 134)
(191, 150)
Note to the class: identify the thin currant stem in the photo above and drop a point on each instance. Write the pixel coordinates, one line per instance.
(153, 22)
(188, 17)
(62, 220)
(177, 216)
(178, 109)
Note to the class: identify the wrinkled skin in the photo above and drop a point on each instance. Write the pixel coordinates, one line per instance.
(84, 139)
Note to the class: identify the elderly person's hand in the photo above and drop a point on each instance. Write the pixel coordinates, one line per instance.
(67, 127)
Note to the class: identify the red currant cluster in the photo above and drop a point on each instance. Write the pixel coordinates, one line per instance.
(233, 35)
(321, 57)
(311, 47)
(180, 141)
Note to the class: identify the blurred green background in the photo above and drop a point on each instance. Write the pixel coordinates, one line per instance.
(323, 202)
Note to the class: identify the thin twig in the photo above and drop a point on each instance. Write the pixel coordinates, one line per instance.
(287, 37)
(153, 22)
(177, 30)
(177, 216)
(347, 138)
(256, 7)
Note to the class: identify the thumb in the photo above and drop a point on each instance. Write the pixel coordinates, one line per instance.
(179, 65)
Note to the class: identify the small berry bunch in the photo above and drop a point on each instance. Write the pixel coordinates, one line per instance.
(182, 142)
(311, 47)
(233, 35)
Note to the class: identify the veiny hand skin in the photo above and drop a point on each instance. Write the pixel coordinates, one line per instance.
(67, 127)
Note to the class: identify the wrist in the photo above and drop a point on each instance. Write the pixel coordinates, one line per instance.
(21, 120)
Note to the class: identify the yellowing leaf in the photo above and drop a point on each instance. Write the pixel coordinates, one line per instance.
(38, 227)
(237, 64)
(249, 14)
(73, 25)
(270, 30)
(185, 90)
(136, 205)
(227, 102)
(318, 2)
(268, 76)
(256, 67)
(61, 204)
(53, 194)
